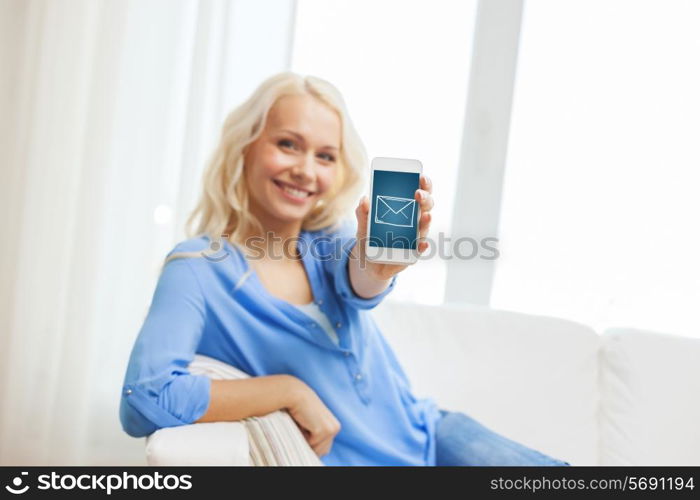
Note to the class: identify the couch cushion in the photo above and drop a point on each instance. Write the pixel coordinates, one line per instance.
(530, 378)
(650, 384)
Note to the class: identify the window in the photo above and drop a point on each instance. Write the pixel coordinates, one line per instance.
(402, 67)
(600, 205)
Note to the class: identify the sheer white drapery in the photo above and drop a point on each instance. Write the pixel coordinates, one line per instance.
(108, 112)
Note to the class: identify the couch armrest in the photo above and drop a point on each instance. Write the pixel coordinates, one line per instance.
(208, 443)
(211, 443)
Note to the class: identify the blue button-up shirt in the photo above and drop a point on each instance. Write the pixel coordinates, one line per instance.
(213, 303)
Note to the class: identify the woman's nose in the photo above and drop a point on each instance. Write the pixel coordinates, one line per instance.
(304, 168)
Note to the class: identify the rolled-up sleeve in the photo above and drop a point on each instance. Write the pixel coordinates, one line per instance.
(336, 264)
(158, 390)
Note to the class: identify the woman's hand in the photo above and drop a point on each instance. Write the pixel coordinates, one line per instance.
(315, 420)
(383, 272)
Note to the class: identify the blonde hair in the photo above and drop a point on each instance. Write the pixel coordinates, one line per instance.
(223, 206)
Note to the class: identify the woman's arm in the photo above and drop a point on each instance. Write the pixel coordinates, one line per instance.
(363, 283)
(158, 391)
(232, 400)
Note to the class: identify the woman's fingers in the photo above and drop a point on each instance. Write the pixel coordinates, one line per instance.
(425, 199)
(322, 442)
(424, 196)
(424, 224)
(361, 214)
(323, 447)
(426, 183)
(423, 228)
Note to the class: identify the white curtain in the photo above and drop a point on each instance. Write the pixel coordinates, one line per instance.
(108, 112)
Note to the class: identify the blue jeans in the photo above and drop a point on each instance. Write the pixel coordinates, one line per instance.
(461, 440)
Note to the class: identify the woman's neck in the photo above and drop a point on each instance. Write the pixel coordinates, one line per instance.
(276, 242)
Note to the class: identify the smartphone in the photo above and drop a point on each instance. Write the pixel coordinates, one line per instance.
(392, 224)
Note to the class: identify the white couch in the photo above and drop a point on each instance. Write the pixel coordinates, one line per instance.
(626, 397)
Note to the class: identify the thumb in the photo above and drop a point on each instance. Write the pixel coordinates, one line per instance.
(361, 212)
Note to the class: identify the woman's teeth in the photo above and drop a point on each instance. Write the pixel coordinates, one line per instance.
(295, 192)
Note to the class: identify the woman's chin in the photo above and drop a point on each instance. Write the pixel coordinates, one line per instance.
(285, 214)
(293, 209)
(289, 211)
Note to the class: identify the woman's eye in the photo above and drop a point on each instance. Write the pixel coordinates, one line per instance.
(289, 143)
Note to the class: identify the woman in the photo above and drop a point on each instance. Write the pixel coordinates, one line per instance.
(286, 299)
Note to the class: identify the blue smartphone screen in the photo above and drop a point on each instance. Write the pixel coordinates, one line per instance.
(394, 222)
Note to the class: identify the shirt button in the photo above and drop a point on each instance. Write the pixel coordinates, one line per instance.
(358, 376)
(338, 324)
(128, 391)
(320, 301)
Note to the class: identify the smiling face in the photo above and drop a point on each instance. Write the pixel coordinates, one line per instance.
(294, 161)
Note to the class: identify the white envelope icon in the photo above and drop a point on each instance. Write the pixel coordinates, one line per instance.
(394, 211)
